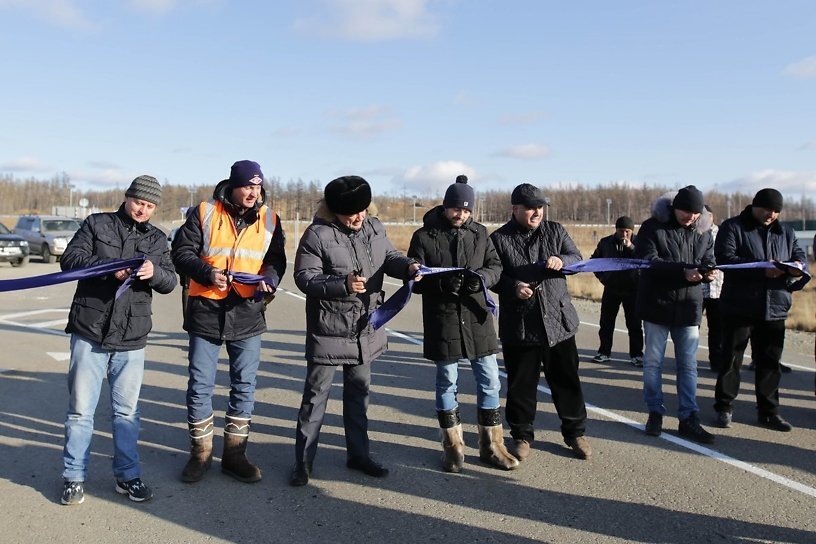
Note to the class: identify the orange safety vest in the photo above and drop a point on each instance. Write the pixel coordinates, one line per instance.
(227, 249)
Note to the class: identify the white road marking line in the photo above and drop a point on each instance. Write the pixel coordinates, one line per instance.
(59, 355)
(34, 312)
(708, 452)
(48, 324)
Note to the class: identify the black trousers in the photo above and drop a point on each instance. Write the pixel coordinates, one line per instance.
(767, 340)
(611, 301)
(715, 332)
(524, 364)
(356, 383)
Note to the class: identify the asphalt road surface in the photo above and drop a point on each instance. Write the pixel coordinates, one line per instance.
(752, 485)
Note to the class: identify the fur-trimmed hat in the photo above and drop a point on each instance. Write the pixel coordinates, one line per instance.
(459, 194)
(770, 199)
(245, 173)
(145, 188)
(347, 195)
(689, 199)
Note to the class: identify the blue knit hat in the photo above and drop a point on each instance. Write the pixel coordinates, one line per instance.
(459, 195)
(245, 173)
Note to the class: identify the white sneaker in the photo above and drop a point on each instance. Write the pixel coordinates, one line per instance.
(600, 358)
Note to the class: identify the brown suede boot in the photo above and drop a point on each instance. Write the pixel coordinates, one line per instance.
(234, 461)
(453, 444)
(491, 441)
(201, 446)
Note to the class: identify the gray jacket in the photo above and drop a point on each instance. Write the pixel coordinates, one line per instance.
(337, 323)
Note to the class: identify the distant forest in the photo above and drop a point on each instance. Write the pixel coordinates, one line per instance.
(569, 203)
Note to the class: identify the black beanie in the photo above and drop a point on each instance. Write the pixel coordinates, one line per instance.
(244, 173)
(689, 199)
(459, 195)
(625, 222)
(145, 188)
(770, 199)
(347, 195)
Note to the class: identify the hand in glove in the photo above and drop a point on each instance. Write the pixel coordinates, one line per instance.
(473, 284)
(451, 284)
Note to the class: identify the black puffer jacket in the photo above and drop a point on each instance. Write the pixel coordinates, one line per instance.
(234, 317)
(749, 293)
(337, 327)
(121, 324)
(623, 282)
(548, 316)
(456, 326)
(664, 295)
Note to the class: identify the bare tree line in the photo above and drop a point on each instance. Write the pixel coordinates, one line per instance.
(298, 200)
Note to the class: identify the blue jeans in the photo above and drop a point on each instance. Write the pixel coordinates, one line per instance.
(244, 357)
(686, 340)
(486, 372)
(88, 366)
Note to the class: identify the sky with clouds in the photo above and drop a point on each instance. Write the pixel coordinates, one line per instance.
(410, 93)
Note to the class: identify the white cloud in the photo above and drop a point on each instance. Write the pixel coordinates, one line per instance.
(527, 118)
(787, 182)
(463, 98)
(803, 68)
(371, 20)
(100, 178)
(25, 164)
(525, 151)
(434, 178)
(64, 13)
(811, 145)
(366, 122)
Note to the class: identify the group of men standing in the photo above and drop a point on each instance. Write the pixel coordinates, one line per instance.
(669, 297)
(231, 248)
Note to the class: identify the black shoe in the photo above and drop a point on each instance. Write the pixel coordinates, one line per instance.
(72, 493)
(368, 466)
(135, 489)
(691, 429)
(723, 420)
(776, 423)
(300, 474)
(654, 425)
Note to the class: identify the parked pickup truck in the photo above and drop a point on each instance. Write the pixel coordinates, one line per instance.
(47, 235)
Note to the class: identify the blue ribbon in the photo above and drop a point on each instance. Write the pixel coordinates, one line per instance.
(399, 300)
(616, 264)
(253, 279)
(86, 273)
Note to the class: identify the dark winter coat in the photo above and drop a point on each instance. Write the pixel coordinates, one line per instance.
(337, 322)
(116, 324)
(233, 317)
(664, 295)
(623, 282)
(749, 293)
(548, 316)
(456, 326)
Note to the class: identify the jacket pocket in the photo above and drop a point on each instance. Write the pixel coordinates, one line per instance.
(139, 321)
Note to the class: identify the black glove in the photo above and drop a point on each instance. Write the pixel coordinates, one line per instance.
(451, 284)
(473, 284)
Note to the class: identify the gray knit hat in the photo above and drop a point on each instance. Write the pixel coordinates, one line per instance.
(145, 188)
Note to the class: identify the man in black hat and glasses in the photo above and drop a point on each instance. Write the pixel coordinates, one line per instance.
(754, 304)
